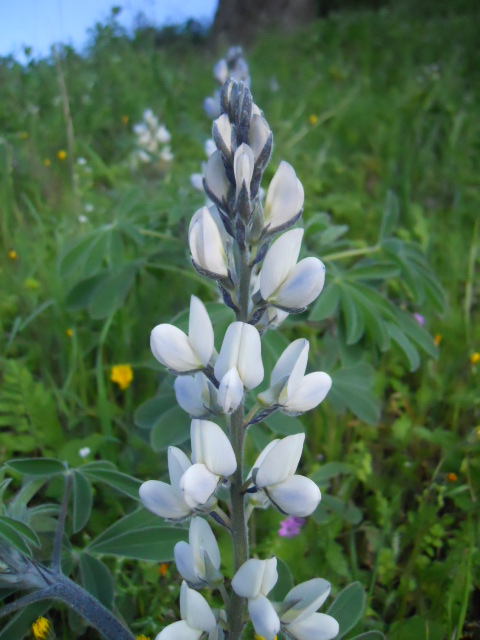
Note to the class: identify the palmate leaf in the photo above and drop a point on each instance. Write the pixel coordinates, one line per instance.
(352, 388)
(348, 607)
(107, 473)
(97, 579)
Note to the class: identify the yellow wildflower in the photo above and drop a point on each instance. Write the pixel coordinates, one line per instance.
(452, 477)
(46, 162)
(437, 339)
(69, 333)
(475, 358)
(257, 637)
(125, 119)
(477, 431)
(13, 255)
(141, 637)
(61, 155)
(122, 375)
(23, 135)
(313, 119)
(163, 569)
(41, 629)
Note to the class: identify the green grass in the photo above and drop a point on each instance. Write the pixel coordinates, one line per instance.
(397, 98)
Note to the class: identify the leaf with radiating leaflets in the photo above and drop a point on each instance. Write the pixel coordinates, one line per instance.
(82, 500)
(348, 607)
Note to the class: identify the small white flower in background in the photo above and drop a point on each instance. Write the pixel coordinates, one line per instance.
(166, 500)
(300, 621)
(209, 147)
(299, 392)
(195, 394)
(285, 197)
(206, 244)
(213, 460)
(198, 561)
(81, 161)
(152, 140)
(89, 207)
(182, 353)
(274, 474)
(254, 581)
(242, 350)
(285, 283)
(197, 618)
(84, 452)
(82, 219)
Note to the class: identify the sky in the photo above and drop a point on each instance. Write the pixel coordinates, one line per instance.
(41, 23)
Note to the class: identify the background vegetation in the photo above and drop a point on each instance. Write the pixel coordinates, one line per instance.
(378, 113)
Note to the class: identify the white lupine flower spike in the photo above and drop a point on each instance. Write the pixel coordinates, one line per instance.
(197, 618)
(213, 459)
(182, 353)
(285, 283)
(274, 474)
(300, 392)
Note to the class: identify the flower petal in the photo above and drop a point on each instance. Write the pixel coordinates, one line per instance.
(243, 165)
(211, 446)
(264, 618)
(162, 500)
(279, 261)
(202, 540)
(230, 392)
(215, 176)
(179, 631)
(188, 392)
(259, 133)
(319, 626)
(297, 496)
(285, 197)
(200, 331)
(171, 347)
(206, 244)
(264, 454)
(288, 360)
(247, 582)
(312, 389)
(302, 286)
(198, 484)
(178, 463)
(185, 561)
(241, 348)
(195, 610)
(281, 461)
(270, 576)
(308, 597)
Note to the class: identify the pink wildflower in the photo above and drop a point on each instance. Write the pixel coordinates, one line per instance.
(290, 527)
(419, 318)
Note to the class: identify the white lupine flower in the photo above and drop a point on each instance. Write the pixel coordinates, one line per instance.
(286, 283)
(166, 500)
(212, 106)
(182, 353)
(206, 244)
(285, 197)
(197, 618)
(241, 348)
(162, 134)
(243, 166)
(259, 133)
(192, 558)
(300, 621)
(220, 71)
(84, 452)
(166, 154)
(230, 392)
(193, 394)
(300, 392)
(213, 459)
(274, 473)
(196, 180)
(215, 176)
(254, 580)
(224, 128)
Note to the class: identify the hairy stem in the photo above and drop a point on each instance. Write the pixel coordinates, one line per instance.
(237, 435)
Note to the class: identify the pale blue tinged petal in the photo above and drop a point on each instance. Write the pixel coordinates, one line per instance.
(200, 331)
(308, 596)
(281, 461)
(310, 393)
(279, 261)
(171, 347)
(297, 496)
(264, 618)
(302, 286)
(287, 360)
(185, 561)
(319, 626)
(197, 613)
(162, 500)
(179, 631)
(247, 582)
(178, 463)
(198, 484)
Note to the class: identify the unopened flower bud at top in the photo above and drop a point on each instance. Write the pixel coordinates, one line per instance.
(243, 166)
(241, 348)
(259, 134)
(182, 353)
(222, 134)
(216, 180)
(285, 197)
(206, 245)
(286, 283)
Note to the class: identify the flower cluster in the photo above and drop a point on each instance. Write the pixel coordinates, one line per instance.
(261, 278)
(152, 140)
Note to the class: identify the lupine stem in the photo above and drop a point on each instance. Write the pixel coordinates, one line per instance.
(237, 435)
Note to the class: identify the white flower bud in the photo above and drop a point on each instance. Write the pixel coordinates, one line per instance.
(243, 166)
(209, 147)
(206, 243)
(283, 282)
(212, 107)
(223, 128)
(285, 197)
(220, 71)
(216, 178)
(191, 559)
(182, 353)
(230, 392)
(241, 348)
(259, 134)
(196, 180)
(162, 134)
